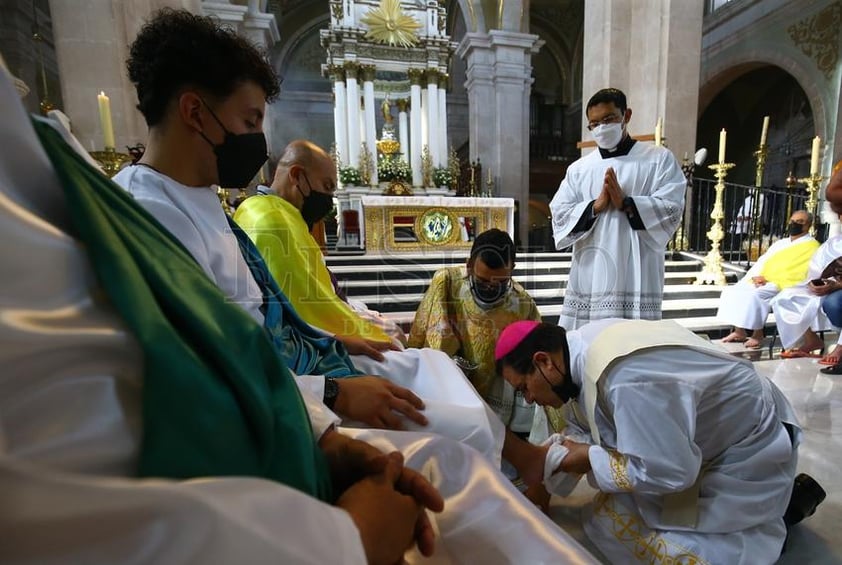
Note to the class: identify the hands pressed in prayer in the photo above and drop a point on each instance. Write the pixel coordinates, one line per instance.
(612, 194)
(759, 280)
(367, 347)
(577, 460)
(388, 509)
(374, 401)
(612, 187)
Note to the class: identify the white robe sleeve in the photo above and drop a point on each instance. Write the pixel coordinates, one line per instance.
(655, 424)
(55, 518)
(661, 210)
(566, 209)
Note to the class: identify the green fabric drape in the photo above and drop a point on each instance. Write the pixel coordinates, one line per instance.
(217, 399)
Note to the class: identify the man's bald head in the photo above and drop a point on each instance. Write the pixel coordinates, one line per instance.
(303, 167)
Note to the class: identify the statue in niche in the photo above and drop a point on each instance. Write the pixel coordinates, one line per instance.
(386, 108)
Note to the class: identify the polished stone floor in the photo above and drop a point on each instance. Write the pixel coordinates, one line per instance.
(817, 398)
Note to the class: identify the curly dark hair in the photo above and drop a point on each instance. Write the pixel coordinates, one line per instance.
(176, 49)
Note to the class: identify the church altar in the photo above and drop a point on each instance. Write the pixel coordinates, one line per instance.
(418, 223)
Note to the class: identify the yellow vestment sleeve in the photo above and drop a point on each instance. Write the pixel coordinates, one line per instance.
(788, 267)
(295, 260)
(432, 325)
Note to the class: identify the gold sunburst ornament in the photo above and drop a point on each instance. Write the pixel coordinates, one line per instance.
(388, 24)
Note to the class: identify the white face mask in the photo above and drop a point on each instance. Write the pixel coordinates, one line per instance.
(608, 136)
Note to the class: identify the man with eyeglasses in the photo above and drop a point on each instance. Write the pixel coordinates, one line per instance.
(618, 207)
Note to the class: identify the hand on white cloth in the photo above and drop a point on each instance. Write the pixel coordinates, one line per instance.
(375, 401)
(557, 481)
(370, 348)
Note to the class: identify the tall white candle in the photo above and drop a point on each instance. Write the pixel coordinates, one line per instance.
(765, 131)
(659, 127)
(105, 119)
(814, 156)
(722, 135)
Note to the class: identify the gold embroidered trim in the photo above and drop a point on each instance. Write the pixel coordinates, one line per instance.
(646, 545)
(617, 463)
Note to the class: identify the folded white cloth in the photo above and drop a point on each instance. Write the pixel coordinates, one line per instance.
(559, 483)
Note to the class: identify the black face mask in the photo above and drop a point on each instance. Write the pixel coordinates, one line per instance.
(487, 296)
(316, 204)
(795, 228)
(566, 390)
(238, 157)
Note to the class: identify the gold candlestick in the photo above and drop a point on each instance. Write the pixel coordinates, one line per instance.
(712, 272)
(111, 160)
(813, 182)
(756, 203)
(790, 182)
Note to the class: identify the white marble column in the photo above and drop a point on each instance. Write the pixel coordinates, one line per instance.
(416, 126)
(433, 115)
(340, 112)
(636, 50)
(353, 99)
(442, 127)
(425, 117)
(370, 127)
(499, 81)
(403, 128)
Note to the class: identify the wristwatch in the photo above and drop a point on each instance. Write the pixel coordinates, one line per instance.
(331, 392)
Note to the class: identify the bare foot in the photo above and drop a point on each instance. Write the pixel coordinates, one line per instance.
(752, 343)
(811, 343)
(735, 336)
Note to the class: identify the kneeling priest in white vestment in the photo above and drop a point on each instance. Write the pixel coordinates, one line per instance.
(693, 452)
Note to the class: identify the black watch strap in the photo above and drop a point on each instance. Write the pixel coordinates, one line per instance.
(331, 392)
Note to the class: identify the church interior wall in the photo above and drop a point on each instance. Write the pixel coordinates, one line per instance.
(800, 37)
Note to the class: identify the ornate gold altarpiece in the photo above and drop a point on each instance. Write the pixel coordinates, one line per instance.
(407, 224)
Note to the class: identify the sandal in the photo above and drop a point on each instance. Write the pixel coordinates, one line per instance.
(797, 354)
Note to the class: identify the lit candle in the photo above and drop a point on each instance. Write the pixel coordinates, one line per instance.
(105, 119)
(659, 126)
(814, 156)
(765, 131)
(722, 146)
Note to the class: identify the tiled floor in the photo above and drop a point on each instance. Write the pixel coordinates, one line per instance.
(817, 398)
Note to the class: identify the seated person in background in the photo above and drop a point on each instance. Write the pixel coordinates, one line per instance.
(205, 121)
(745, 305)
(463, 313)
(694, 452)
(126, 373)
(302, 193)
(798, 309)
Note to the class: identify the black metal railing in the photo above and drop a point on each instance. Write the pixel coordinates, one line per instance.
(749, 226)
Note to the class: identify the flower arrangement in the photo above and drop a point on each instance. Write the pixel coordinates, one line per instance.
(350, 176)
(442, 176)
(390, 168)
